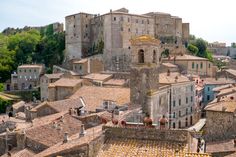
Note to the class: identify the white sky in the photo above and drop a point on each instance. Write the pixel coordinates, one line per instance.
(213, 20)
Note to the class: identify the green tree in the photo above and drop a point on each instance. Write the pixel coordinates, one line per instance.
(201, 45)
(233, 45)
(193, 49)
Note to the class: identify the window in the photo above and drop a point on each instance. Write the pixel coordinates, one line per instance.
(174, 115)
(186, 100)
(179, 124)
(25, 70)
(209, 66)
(186, 122)
(19, 70)
(136, 30)
(192, 65)
(121, 28)
(129, 47)
(197, 66)
(114, 18)
(35, 70)
(141, 56)
(142, 22)
(191, 98)
(128, 19)
(179, 113)
(129, 29)
(201, 65)
(136, 20)
(80, 67)
(154, 56)
(191, 109)
(186, 111)
(208, 89)
(147, 21)
(174, 103)
(30, 70)
(174, 125)
(86, 26)
(179, 102)
(208, 97)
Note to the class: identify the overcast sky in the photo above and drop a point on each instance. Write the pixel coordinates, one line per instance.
(213, 20)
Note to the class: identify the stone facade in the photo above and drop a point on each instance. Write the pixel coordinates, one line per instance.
(26, 78)
(114, 30)
(220, 125)
(144, 73)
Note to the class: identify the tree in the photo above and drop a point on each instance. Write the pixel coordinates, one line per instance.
(233, 45)
(165, 53)
(201, 45)
(193, 49)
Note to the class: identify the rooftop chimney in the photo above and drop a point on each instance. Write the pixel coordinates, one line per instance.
(65, 137)
(168, 72)
(82, 131)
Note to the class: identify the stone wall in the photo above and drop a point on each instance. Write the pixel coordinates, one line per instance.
(11, 142)
(219, 126)
(146, 134)
(95, 145)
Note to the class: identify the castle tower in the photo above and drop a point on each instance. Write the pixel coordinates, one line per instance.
(144, 74)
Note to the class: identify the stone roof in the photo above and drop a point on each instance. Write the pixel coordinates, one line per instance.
(94, 96)
(227, 91)
(218, 81)
(219, 88)
(222, 106)
(165, 79)
(52, 133)
(115, 82)
(54, 76)
(97, 76)
(66, 82)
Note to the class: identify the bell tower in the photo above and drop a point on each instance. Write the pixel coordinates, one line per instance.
(144, 74)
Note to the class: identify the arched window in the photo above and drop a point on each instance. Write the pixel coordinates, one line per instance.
(191, 120)
(154, 57)
(141, 56)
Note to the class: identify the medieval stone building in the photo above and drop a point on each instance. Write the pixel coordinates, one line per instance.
(88, 34)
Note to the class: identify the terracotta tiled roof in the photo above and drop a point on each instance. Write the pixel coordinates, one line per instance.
(165, 79)
(218, 81)
(66, 82)
(115, 82)
(80, 61)
(97, 76)
(231, 71)
(23, 153)
(18, 104)
(218, 89)
(227, 91)
(52, 133)
(169, 65)
(73, 144)
(94, 96)
(220, 146)
(54, 76)
(226, 106)
(189, 57)
(65, 105)
(30, 66)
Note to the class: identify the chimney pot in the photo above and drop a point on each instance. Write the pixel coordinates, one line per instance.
(65, 137)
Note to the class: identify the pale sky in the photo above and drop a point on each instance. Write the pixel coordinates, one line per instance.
(213, 20)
